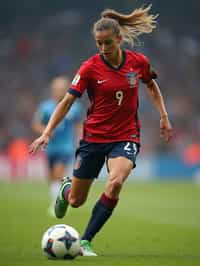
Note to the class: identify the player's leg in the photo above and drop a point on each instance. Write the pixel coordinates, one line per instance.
(119, 169)
(119, 165)
(74, 192)
(89, 161)
(78, 192)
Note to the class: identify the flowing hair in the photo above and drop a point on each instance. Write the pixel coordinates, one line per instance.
(139, 21)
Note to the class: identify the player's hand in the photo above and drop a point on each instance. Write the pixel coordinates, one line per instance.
(166, 131)
(40, 142)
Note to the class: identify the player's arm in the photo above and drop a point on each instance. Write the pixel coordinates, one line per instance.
(157, 98)
(61, 110)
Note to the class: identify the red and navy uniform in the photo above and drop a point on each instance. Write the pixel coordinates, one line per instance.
(113, 93)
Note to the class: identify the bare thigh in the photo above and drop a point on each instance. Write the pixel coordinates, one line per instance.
(119, 169)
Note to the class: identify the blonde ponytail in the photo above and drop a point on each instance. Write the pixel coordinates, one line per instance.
(131, 25)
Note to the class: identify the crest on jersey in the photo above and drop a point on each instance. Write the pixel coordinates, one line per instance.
(132, 78)
(76, 79)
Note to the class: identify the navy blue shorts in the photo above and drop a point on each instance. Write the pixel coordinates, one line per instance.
(56, 158)
(90, 157)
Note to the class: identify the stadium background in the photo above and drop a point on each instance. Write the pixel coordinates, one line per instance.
(39, 40)
(155, 223)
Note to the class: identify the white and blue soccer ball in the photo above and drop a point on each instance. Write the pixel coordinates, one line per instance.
(61, 241)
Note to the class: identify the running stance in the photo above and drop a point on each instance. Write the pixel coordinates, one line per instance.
(111, 130)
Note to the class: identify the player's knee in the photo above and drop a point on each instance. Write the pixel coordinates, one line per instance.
(76, 202)
(116, 185)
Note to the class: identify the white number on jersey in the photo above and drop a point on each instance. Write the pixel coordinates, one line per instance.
(131, 147)
(119, 96)
(127, 147)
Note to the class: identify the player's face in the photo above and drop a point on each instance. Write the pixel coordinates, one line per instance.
(108, 43)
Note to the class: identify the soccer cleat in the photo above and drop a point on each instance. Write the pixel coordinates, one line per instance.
(86, 249)
(61, 204)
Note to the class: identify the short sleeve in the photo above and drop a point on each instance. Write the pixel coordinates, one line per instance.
(80, 81)
(147, 71)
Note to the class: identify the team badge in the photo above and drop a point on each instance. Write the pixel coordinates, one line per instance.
(132, 78)
(76, 80)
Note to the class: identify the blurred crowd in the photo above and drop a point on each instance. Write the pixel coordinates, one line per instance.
(34, 51)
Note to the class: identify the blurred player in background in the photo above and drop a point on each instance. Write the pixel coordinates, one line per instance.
(60, 148)
(112, 128)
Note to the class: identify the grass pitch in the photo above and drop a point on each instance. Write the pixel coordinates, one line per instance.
(154, 224)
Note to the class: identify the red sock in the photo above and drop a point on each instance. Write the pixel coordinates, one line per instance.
(66, 193)
(109, 202)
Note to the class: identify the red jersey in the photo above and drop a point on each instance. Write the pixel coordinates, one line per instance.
(113, 93)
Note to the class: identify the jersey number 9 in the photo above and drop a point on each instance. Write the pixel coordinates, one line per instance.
(119, 96)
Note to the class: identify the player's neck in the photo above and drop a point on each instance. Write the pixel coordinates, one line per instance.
(117, 60)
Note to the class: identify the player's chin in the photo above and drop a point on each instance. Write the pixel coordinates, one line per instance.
(107, 55)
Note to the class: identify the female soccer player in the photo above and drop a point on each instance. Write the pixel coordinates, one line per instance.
(112, 129)
(60, 148)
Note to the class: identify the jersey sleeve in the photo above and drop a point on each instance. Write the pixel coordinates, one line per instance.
(147, 71)
(80, 81)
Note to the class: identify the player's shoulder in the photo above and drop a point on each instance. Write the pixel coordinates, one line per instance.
(137, 56)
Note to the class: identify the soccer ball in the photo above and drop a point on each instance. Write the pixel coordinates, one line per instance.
(61, 241)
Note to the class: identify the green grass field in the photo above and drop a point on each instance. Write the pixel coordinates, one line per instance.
(154, 224)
